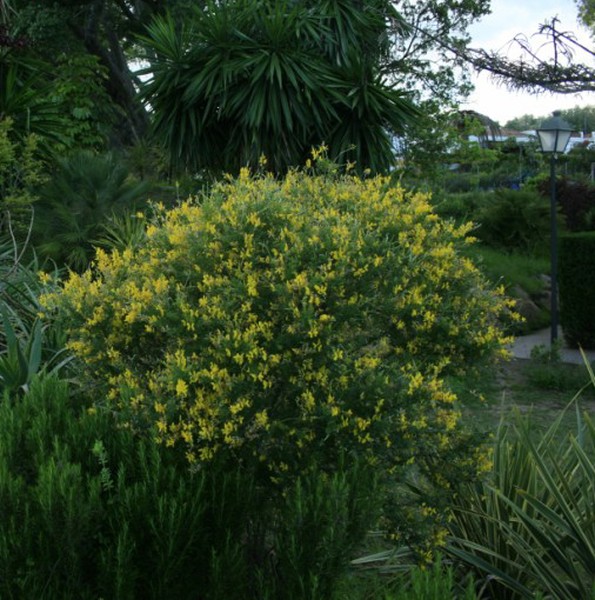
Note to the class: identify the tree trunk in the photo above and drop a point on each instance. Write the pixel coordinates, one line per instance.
(100, 37)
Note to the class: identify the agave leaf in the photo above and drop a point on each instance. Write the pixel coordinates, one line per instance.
(9, 334)
(564, 546)
(34, 350)
(556, 487)
(10, 374)
(580, 428)
(585, 461)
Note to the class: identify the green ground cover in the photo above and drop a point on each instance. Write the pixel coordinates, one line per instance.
(535, 387)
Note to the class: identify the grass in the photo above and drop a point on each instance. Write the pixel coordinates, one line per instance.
(533, 386)
(512, 269)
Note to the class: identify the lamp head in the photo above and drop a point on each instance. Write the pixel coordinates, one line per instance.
(554, 134)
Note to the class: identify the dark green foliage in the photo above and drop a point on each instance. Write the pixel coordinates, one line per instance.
(85, 190)
(514, 220)
(577, 288)
(21, 171)
(80, 95)
(81, 525)
(90, 510)
(25, 98)
(88, 32)
(461, 206)
(239, 80)
(320, 523)
(65, 104)
(576, 200)
(578, 162)
(109, 30)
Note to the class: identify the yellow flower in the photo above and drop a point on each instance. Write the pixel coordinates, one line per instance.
(181, 388)
(262, 419)
(44, 277)
(251, 285)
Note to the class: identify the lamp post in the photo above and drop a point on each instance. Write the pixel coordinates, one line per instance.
(554, 135)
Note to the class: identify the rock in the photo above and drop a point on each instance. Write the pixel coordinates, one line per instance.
(528, 309)
(519, 293)
(544, 300)
(546, 280)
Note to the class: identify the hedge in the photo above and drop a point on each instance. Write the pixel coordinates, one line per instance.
(577, 288)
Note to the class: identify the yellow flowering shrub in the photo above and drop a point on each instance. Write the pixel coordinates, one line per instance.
(286, 323)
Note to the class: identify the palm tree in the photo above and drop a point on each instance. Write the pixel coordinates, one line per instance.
(86, 190)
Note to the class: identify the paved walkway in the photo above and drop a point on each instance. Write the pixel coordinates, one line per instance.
(522, 346)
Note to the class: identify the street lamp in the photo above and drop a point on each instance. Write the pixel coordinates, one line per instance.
(553, 135)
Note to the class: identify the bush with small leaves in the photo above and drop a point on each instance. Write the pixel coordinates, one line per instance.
(285, 324)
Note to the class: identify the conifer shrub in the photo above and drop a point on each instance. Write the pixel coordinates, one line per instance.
(514, 220)
(284, 325)
(88, 510)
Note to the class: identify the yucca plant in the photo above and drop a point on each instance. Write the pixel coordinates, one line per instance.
(531, 529)
(239, 80)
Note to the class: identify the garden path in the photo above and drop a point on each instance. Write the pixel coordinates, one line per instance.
(522, 346)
